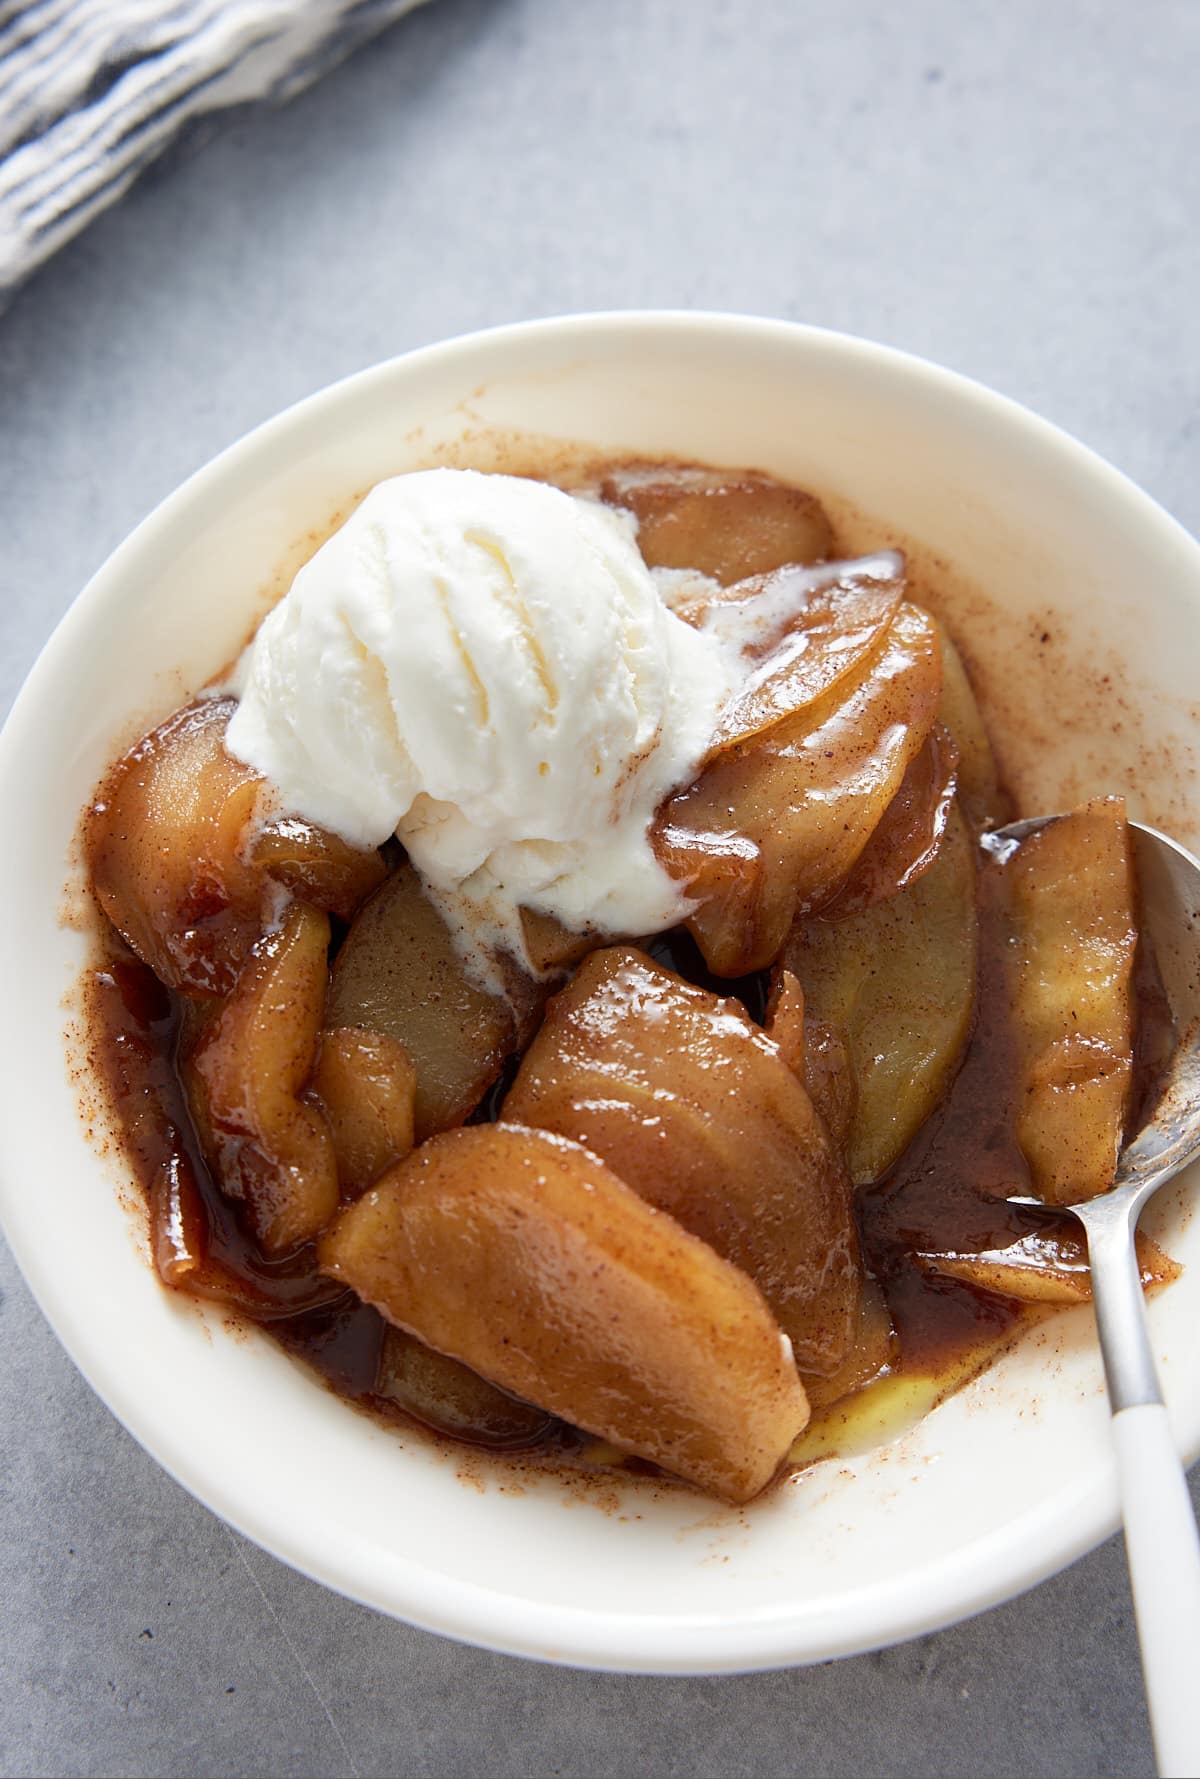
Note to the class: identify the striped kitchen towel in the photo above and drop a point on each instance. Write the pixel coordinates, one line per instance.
(91, 91)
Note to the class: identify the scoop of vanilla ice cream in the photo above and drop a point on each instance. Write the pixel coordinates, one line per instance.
(484, 666)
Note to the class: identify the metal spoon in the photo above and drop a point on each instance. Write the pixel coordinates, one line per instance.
(1160, 1527)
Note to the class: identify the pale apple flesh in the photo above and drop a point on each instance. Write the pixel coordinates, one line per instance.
(398, 974)
(896, 982)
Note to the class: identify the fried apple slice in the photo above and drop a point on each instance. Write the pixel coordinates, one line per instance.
(897, 982)
(772, 828)
(910, 834)
(980, 796)
(1038, 1269)
(317, 866)
(366, 1086)
(726, 526)
(1073, 934)
(245, 1075)
(526, 1258)
(697, 1110)
(399, 975)
(444, 1395)
(164, 843)
(873, 1348)
(173, 863)
(802, 633)
(829, 1081)
(550, 946)
(816, 1053)
(784, 1019)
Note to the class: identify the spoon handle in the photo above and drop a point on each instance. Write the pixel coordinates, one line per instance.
(1160, 1527)
(1164, 1572)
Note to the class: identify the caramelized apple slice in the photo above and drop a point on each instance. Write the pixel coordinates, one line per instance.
(784, 1019)
(772, 828)
(446, 1396)
(1040, 1269)
(696, 1110)
(829, 1082)
(873, 1349)
(980, 796)
(816, 1053)
(398, 974)
(549, 945)
(803, 635)
(164, 850)
(527, 1259)
(727, 526)
(897, 983)
(366, 1085)
(317, 866)
(197, 1249)
(170, 862)
(908, 838)
(245, 1075)
(1071, 898)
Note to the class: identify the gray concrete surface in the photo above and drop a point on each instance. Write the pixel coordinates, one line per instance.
(1010, 190)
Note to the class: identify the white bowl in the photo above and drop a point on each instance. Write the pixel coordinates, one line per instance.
(1077, 597)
